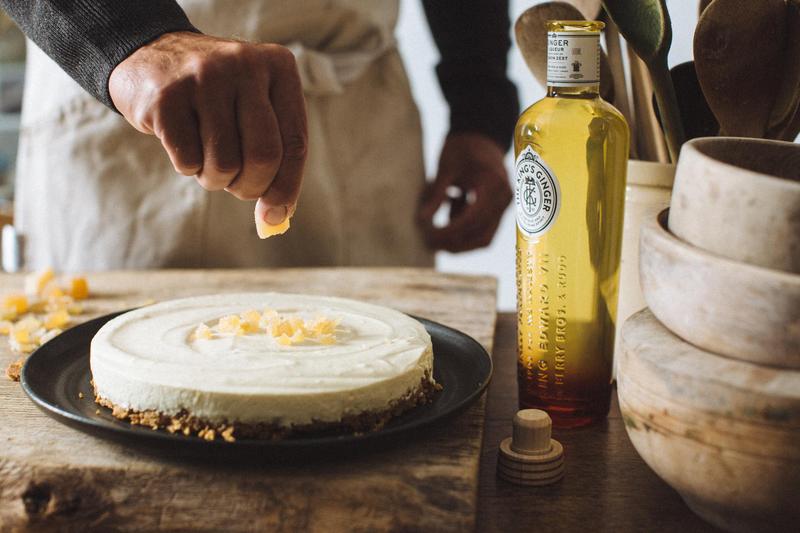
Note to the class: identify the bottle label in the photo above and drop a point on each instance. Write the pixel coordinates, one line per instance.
(537, 194)
(573, 58)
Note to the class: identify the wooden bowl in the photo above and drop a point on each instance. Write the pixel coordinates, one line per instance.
(740, 198)
(721, 432)
(734, 309)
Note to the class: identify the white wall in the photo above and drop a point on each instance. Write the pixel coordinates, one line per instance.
(421, 57)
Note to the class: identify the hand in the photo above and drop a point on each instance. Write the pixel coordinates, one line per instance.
(472, 164)
(230, 113)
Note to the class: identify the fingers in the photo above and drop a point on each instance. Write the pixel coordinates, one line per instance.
(230, 112)
(433, 196)
(260, 141)
(219, 135)
(287, 99)
(177, 129)
(472, 225)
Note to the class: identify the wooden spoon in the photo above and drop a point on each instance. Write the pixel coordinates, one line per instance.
(702, 6)
(531, 32)
(787, 100)
(615, 65)
(737, 51)
(696, 116)
(646, 26)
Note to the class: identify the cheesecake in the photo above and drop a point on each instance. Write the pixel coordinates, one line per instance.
(262, 365)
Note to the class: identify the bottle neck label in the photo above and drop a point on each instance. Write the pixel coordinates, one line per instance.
(573, 58)
(537, 194)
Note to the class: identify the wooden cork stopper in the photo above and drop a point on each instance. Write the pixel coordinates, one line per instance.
(531, 433)
(530, 456)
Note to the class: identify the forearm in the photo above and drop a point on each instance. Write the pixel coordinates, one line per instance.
(88, 38)
(473, 40)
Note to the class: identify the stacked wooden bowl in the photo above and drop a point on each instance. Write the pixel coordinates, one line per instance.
(709, 375)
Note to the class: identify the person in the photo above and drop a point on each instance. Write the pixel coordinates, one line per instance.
(223, 89)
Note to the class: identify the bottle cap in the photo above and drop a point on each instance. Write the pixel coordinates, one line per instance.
(531, 456)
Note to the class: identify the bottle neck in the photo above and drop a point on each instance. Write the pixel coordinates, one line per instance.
(573, 60)
(587, 91)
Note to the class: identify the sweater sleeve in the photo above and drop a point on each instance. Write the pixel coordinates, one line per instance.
(88, 38)
(473, 41)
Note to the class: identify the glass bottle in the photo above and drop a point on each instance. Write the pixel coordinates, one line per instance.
(571, 152)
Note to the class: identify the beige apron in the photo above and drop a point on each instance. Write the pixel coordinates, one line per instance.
(93, 193)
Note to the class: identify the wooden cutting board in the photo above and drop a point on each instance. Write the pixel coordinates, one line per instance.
(56, 478)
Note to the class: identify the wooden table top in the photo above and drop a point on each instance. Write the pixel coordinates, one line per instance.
(55, 478)
(607, 486)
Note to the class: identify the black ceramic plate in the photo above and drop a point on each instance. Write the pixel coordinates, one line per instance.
(56, 373)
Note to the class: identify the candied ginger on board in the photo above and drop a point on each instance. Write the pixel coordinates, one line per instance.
(37, 282)
(79, 288)
(45, 308)
(16, 304)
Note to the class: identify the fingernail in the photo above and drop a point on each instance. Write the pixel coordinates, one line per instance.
(276, 215)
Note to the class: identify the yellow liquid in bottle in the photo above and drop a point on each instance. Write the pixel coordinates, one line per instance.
(567, 277)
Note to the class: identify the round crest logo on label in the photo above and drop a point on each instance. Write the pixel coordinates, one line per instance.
(537, 194)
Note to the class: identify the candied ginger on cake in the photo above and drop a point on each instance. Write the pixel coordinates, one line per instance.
(285, 330)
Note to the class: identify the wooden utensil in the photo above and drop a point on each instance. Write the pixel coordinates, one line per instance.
(739, 198)
(590, 9)
(531, 32)
(621, 100)
(702, 6)
(645, 24)
(787, 100)
(651, 144)
(697, 118)
(737, 51)
(734, 309)
(723, 433)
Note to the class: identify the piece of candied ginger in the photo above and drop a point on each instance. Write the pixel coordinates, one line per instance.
(203, 332)
(230, 324)
(251, 321)
(327, 339)
(79, 288)
(16, 304)
(324, 326)
(57, 319)
(37, 282)
(266, 230)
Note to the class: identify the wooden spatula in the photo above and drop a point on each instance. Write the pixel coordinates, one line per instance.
(590, 9)
(737, 51)
(531, 32)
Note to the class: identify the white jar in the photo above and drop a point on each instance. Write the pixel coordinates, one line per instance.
(647, 192)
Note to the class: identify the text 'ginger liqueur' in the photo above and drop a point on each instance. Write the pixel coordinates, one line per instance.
(571, 152)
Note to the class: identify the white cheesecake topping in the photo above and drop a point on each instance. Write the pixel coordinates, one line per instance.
(154, 358)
